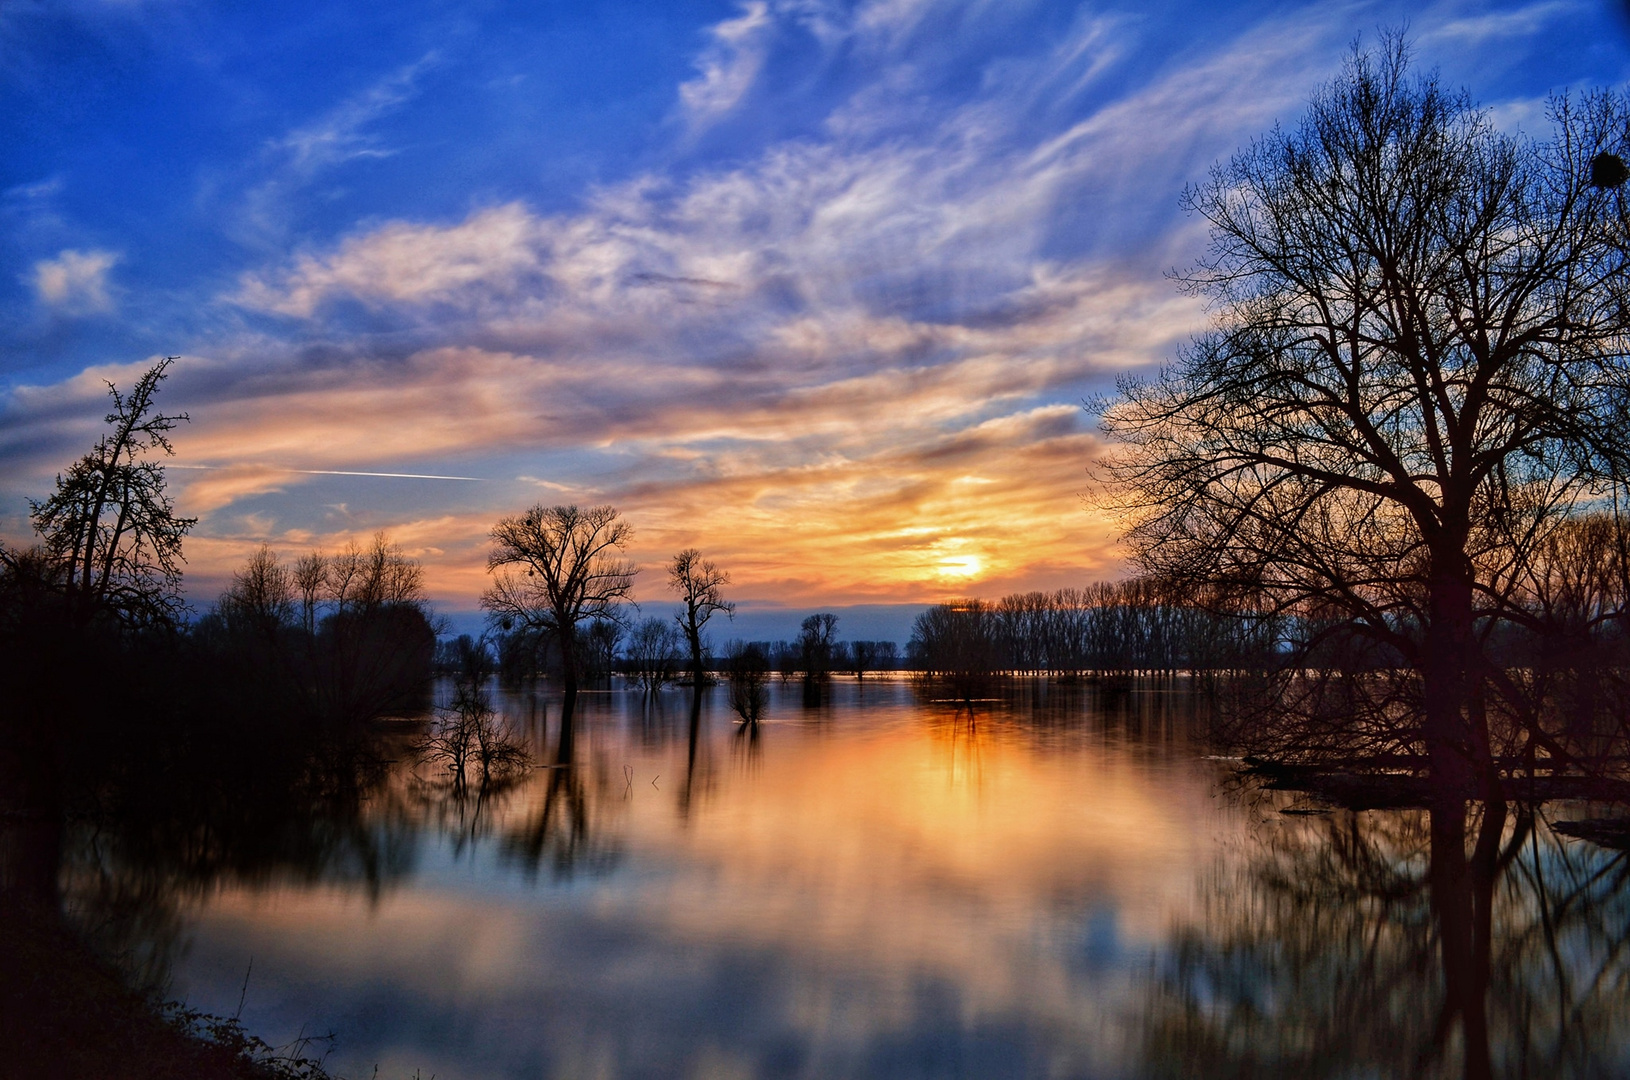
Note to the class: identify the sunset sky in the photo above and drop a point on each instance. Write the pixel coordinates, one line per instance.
(817, 287)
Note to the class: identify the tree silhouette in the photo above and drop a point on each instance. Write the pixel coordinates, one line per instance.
(110, 526)
(556, 567)
(697, 581)
(1417, 372)
(653, 653)
(817, 640)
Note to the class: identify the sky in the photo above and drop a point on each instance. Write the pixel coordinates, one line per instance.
(817, 287)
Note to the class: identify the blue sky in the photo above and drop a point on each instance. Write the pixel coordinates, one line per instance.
(816, 286)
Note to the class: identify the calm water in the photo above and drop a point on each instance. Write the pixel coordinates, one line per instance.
(1056, 884)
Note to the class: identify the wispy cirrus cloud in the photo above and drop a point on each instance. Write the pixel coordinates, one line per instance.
(874, 336)
(292, 161)
(342, 133)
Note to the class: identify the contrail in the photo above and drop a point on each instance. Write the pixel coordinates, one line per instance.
(337, 472)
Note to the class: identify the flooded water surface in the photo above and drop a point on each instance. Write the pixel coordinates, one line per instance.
(872, 883)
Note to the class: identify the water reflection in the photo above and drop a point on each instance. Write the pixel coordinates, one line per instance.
(876, 886)
(569, 825)
(1049, 882)
(1402, 943)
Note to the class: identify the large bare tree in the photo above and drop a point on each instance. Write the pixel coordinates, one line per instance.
(1417, 370)
(698, 582)
(556, 567)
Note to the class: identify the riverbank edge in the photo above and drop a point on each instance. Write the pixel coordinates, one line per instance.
(66, 1013)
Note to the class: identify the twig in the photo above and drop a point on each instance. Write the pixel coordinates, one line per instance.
(244, 993)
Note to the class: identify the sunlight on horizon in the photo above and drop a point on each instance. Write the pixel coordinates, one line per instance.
(961, 566)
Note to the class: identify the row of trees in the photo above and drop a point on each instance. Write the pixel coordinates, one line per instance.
(1117, 628)
(656, 651)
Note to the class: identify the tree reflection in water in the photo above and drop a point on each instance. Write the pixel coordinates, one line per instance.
(698, 774)
(128, 861)
(1421, 943)
(965, 737)
(1456, 941)
(131, 860)
(561, 827)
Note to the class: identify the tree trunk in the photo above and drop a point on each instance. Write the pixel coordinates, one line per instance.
(568, 658)
(1455, 733)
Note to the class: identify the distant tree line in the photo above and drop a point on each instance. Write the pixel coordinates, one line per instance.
(817, 653)
(654, 652)
(1567, 615)
(1135, 627)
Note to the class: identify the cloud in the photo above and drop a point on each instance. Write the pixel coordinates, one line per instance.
(404, 263)
(729, 64)
(835, 363)
(75, 282)
(341, 133)
(296, 159)
(1485, 27)
(952, 214)
(839, 334)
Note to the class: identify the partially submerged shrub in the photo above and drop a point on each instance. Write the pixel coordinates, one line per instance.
(470, 743)
(749, 671)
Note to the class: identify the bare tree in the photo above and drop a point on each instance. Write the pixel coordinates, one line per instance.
(110, 524)
(598, 647)
(556, 567)
(749, 670)
(350, 634)
(1417, 370)
(311, 579)
(261, 596)
(697, 581)
(364, 579)
(817, 638)
(468, 736)
(653, 653)
(862, 657)
(957, 644)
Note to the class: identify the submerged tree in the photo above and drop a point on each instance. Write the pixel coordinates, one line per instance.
(956, 644)
(653, 653)
(749, 670)
(698, 582)
(109, 526)
(817, 644)
(1418, 370)
(555, 568)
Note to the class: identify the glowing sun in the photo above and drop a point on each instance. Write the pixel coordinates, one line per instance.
(960, 566)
